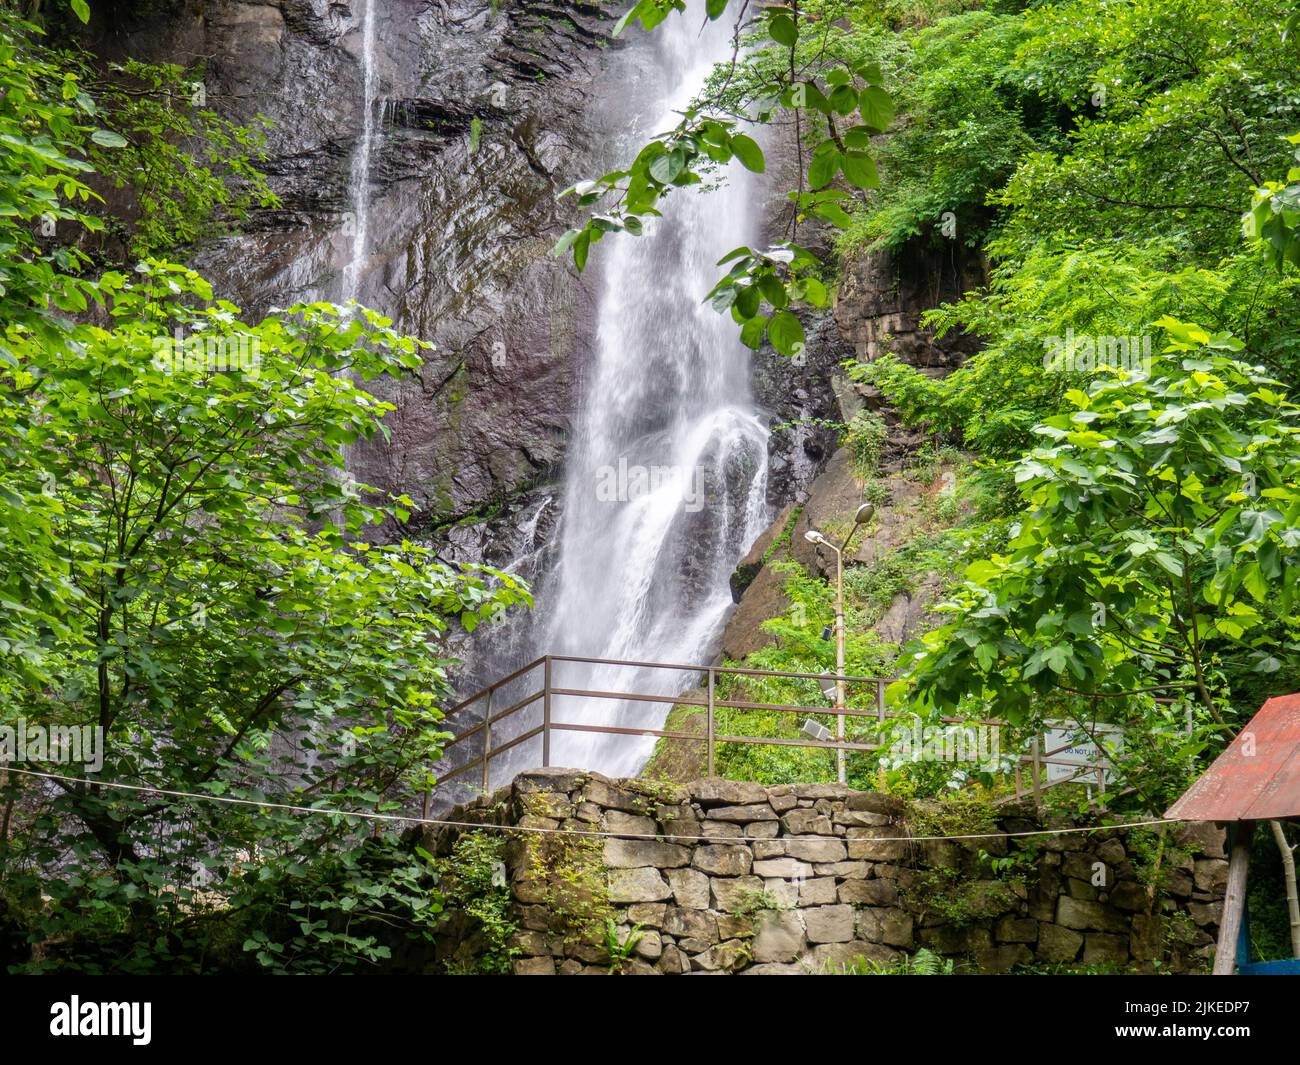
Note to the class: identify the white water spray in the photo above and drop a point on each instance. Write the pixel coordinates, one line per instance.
(667, 474)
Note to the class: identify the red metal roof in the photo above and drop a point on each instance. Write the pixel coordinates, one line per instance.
(1258, 777)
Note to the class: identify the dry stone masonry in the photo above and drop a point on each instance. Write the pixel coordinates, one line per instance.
(722, 876)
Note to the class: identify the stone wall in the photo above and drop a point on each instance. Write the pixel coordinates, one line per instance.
(803, 878)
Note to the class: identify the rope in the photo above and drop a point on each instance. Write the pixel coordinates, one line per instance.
(443, 823)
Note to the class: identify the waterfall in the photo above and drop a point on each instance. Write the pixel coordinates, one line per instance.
(359, 176)
(666, 476)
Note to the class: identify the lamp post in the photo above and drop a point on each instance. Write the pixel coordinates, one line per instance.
(862, 516)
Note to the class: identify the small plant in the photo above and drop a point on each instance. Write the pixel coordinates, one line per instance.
(1013, 865)
(877, 493)
(866, 438)
(923, 963)
(475, 884)
(751, 902)
(620, 950)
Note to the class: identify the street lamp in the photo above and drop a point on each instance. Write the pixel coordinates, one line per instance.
(863, 516)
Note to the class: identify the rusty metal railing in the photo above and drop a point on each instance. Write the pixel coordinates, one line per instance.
(1037, 759)
(548, 691)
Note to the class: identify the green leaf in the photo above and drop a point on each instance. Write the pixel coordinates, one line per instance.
(782, 29)
(632, 13)
(860, 170)
(665, 168)
(82, 10)
(106, 138)
(877, 107)
(785, 331)
(748, 152)
(823, 167)
(751, 332)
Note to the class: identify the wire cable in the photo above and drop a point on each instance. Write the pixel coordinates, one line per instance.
(532, 829)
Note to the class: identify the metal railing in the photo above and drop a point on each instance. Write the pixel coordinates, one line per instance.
(491, 723)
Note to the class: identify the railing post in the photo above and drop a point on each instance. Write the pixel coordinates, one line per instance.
(1037, 770)
(709, 724)
(881, 777)
(546, 712)
(487, 744)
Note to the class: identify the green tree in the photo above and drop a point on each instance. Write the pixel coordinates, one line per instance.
(1159, 544)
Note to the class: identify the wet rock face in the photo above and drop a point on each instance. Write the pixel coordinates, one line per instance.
(882, 296)
(460, 222)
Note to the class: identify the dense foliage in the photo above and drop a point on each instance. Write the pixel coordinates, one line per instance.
(186, 574)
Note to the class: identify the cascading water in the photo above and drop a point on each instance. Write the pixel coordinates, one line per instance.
(667, 472)
(359, 175)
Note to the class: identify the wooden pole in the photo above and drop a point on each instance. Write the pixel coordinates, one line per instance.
(1234, 900)
(1288, 876)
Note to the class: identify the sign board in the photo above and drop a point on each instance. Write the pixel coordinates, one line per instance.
(1081, 752)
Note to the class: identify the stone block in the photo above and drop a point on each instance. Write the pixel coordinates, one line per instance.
(1147, 937)
(1057, 945)
(778, 936)
(869, 892)
(723, 859)
(731, 895)
(603, 793)
(897, 928)
(1016, 930)
(649, 946)
(814, 849)
(1211, 875)
(743, 815)
(1081, 914)
(691, 924)
(818, 891)
(724, 957)
(715, 791)
(804, 822)
(1129, 895)
(690, 888)
(829, 924)
(835, 957)
(870, 846)
(1100, 948)
(621, 822)
(635, 853)
(637, 885)
(786, 868)
(648, 914)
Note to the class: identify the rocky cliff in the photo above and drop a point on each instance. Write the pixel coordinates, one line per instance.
(461, 222)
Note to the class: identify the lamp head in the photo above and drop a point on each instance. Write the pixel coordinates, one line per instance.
(865, 513)
(814, 537)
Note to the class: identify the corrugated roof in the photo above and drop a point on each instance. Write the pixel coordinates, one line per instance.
(1258, 777)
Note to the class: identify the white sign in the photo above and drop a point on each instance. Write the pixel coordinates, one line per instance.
(1080, 752)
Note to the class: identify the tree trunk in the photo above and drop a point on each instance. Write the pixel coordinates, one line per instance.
(1288, 873)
